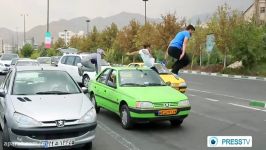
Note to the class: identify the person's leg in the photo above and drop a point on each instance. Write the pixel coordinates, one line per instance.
(175, 53)
(184, 62)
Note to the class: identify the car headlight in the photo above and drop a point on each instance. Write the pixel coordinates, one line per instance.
(144, 105)
(89, 117)
(184, 103)
(183, 84)
(25, 121)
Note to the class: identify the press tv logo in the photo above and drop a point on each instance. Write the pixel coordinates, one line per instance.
(229, 141)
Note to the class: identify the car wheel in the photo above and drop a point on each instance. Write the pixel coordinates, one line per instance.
(176, 122)
(5, 139)
(126, 121)
(85, 80)
(93, 101)
(88, 146)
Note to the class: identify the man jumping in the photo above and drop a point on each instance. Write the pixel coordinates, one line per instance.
(177, 49)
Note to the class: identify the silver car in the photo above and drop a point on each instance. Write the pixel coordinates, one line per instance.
(45, 108)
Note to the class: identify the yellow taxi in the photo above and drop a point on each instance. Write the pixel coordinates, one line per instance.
(168, 77)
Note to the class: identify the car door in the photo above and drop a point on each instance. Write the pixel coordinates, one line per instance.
(4, 88)
(75, 69)
(71, 69)
(111, 95)
(100, 88)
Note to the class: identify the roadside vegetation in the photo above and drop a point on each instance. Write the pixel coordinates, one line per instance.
(235, 40)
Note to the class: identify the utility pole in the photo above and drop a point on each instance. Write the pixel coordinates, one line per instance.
(17, 38)
(65, 38)
(257, 13)
(48, 16)
(88, 21)
(145, 10)
(24, 16)
(2, 46)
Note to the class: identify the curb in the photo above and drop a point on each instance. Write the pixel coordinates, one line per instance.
(258, 104)
(223, 75)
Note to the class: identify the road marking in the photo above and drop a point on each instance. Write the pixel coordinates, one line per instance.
(219, 94)
(213, 100)
(117, 137)
(243, 106)
(191, 95)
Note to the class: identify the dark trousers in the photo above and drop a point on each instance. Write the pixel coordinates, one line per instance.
(175, 53)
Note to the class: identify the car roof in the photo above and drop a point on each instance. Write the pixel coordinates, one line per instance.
(129, 68)
(27, 60)
(36, 68)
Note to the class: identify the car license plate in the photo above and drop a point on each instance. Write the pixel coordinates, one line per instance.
(167, 112)
(59, 143)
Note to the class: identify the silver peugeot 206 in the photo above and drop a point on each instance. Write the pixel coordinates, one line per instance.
(43, 107)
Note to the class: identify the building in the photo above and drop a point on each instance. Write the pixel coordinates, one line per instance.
(68, 35)
(256, 10)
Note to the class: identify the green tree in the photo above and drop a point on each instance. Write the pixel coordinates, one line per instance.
(60, 43)
(27, 50)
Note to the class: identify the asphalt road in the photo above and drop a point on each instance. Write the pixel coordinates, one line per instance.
(219, 108)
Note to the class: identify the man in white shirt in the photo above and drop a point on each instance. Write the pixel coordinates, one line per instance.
(145, 55)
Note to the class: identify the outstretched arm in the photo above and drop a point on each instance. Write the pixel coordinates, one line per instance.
(132, 53)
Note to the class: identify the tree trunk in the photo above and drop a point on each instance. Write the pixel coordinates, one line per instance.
(225, 59)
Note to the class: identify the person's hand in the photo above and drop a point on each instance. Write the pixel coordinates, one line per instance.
(181, 56)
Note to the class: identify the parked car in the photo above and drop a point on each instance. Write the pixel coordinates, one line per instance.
(42, 107)
(6, 60)
(168, 77)
(137, 95)
(24, 62)
(44, 61)
(70, 62)
(3, 69)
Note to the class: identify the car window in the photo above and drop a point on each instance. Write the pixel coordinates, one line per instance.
(7, 82)
(112, 79)
(70, 60)
(63, 60)
(44, 82)
(77, 60)
(103, 77)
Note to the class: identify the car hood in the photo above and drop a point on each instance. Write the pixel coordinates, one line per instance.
(8, 62)
(52, 107)
(153, 93)
(171, 78)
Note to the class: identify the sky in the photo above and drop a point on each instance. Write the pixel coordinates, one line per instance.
(36, 10)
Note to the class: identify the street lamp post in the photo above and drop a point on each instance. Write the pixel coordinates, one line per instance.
(145, 10)
(88, 21)
(65, 38)
(47, 15)
(24, 16)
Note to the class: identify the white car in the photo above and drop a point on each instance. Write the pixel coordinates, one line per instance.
(70, 62)
(6, 60)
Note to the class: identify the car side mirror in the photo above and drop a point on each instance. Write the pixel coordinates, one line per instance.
(2, 93)
(85, 90)
(79, 64)
(168, 83)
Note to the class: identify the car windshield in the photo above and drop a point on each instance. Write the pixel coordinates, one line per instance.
(44, 82)
(161, 69)
(27, 63)
(9, 56)
(140, 78)
(44, 60)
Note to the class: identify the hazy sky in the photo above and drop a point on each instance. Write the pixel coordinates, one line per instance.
(10, 10)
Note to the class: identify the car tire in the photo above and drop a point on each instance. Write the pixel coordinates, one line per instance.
(125, 118)
(5, 139)
(176, 123)
(85, 80)
(88, 146)
(93, 101)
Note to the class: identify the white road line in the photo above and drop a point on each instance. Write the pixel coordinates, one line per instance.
(191, 95)
(117, 137)
(244, 106)
(219, 94)
(213, 100)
